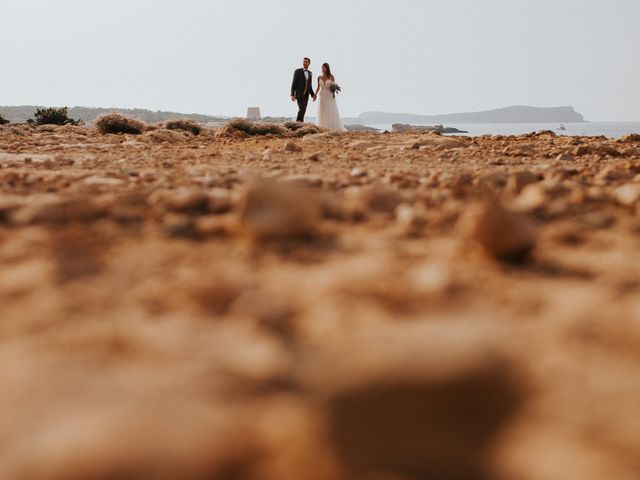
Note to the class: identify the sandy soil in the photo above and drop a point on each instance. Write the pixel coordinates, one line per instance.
(338, 306)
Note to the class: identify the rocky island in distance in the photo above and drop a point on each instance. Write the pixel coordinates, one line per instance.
(515, 114)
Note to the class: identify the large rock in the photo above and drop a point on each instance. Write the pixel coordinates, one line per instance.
(417, 402)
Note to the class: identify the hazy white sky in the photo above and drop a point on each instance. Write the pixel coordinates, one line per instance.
(414, 56)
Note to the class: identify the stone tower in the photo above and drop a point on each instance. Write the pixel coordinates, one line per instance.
(253, 113)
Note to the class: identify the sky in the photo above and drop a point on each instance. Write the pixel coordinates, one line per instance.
(219, 57)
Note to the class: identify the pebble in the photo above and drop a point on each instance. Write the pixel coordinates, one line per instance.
(185, 200)
(275, 211)
(103, 181)
(627, 195)
(564, 157)
(504, 234)
(519, 150)
(361, 201)
(531, 198)
(411, 219)
(292, 147)
(519, 180)
(59, 211)
(612, 173)
(219, 201)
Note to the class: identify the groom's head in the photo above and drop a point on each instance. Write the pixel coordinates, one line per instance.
(306, 62)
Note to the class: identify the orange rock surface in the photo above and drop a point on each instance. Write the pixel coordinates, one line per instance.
(327, 306)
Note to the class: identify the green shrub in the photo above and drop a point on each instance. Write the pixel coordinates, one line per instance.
(183, 124)
(53, 116)
(118, 123)
(256, 128)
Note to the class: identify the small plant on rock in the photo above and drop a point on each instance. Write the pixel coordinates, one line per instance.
(256, 128)
(184, 124)
(118, 123)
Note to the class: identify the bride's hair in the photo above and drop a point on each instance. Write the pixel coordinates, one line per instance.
(326, 65)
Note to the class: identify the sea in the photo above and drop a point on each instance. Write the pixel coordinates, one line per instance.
(590, 129)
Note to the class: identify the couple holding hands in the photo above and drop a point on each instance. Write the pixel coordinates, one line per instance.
(325, 92)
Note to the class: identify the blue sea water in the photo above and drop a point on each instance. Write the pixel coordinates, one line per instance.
(608, 129)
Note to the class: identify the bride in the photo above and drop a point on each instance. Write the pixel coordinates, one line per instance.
(328, 114)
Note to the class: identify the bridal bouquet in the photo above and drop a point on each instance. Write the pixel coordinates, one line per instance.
(335, 88)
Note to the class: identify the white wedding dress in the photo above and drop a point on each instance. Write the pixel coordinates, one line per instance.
(328, 114)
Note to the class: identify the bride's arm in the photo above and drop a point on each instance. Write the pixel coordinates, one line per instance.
(319, 87)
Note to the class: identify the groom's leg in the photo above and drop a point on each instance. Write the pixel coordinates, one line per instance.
(302, 107)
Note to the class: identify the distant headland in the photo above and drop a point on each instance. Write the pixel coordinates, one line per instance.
(516, 114)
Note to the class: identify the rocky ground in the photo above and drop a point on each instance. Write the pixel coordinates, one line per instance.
(335, 306)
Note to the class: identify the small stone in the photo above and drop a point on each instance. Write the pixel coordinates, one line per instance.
(612, 173)
(607, 150)
(315, 157)
(276, 211)
(357, 172)
(598, 220)
(559, 174)
(504, 234)
(519, 180)
(219, 201)
(446, 143)
(580, 151)
(59, 211)
(292, 147)
(376, 198)
(627, 195)
(178, 225)
(411, 219)
(523, 150)
(311, 181)
(564, 157)
(186, 200)
(599, 149)
(362, 144)
(531, 198)
(462, 184)
(214, 225)
(102, 181)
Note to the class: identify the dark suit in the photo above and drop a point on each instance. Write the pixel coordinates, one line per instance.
(301, 88)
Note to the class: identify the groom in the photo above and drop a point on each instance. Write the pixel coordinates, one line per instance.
(302, 87)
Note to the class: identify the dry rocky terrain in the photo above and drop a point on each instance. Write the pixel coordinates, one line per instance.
(330, 306)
